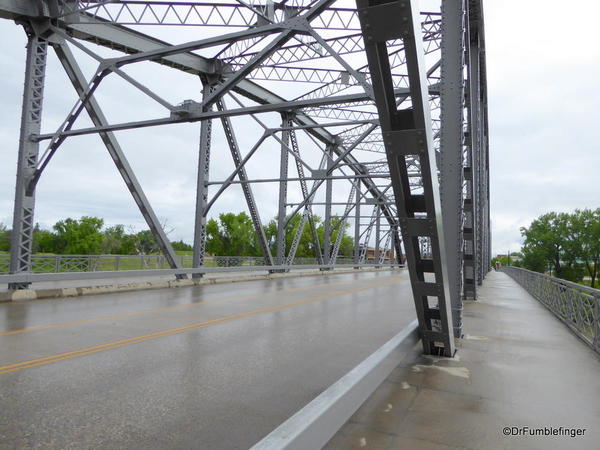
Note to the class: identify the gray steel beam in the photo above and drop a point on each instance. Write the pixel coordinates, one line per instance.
(377, 235)
(124, 39)
(17, 9)
(202, 189)
(451, 149)
(343, 221)
(31, 118)
(475, 141)
(307, 215)
(328, 199)
(283, 174)
(246, 188)
(195, 115)
(357, 223)
(409, 132)
(114, 149)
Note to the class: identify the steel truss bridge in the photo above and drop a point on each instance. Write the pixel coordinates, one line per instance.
(383, 103)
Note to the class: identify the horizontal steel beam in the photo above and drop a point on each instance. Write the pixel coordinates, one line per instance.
(195, 116)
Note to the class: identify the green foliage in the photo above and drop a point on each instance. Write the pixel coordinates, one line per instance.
(515, 259)
(181, 246)
(113, 241)
(306, 247)
(145, 243)
(4, 238)
(44, 241)
(585, 236)
(232, 235)
(79, 237)
(566, 244)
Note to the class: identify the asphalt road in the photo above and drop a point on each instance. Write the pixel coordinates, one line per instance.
(210, 367)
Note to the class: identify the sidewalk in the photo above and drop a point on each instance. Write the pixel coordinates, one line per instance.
(517, 366)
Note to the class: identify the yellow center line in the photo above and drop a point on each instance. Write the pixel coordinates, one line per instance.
(171, 331)
(162, 308)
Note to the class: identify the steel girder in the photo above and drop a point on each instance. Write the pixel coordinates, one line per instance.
(348, 101)
(408, 132)
(452, 149)
(31, 117)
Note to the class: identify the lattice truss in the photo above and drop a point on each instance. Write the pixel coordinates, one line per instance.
(295, 70)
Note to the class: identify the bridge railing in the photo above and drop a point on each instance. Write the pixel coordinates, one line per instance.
(108, 263)
(576, 305)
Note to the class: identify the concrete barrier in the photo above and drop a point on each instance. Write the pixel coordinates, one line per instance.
(37, 294)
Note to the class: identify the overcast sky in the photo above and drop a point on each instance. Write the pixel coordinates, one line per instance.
(543, 61)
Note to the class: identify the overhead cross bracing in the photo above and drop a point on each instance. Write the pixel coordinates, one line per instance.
(308, 83)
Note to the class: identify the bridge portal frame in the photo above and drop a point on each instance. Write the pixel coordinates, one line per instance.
(445, 260)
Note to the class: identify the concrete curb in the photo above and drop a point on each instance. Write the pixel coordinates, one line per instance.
(316, 423)
(37, 294)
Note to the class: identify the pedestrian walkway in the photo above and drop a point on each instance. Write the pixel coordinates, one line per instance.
(517, 366)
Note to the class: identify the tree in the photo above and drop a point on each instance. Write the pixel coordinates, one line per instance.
(514, 259)
(546, 241)
(4, 238)
(232, 235)
(45, 241)
(113, 239)
(79, 237)
(181, 246)
(145, 243)
(306, 248)
(585, 233)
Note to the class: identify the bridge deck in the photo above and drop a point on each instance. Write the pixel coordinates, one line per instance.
(517, 366)
(212, 367)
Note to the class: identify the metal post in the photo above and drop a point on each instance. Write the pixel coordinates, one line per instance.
(31, 117)
(451, 149)
(471, 205)
(283, 174)
(357, 223)
(475, 136)
(202, 190)
(328, 199)
(377, 236)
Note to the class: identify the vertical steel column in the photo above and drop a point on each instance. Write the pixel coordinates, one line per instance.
(451, 149)
(397, 245)
(31, 117)
(357, 223)
(328, 200)
(408, 135)
(342, 226)
(470, 235)
(202, 189)
(475, 136)
(283, 175)
(486, 145)
(115, 151)
(377, 235)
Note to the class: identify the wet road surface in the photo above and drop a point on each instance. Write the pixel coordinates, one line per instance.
(211, 367)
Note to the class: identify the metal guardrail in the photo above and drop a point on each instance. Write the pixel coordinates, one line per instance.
(110, 263)
(30, 277)
(576, 305)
